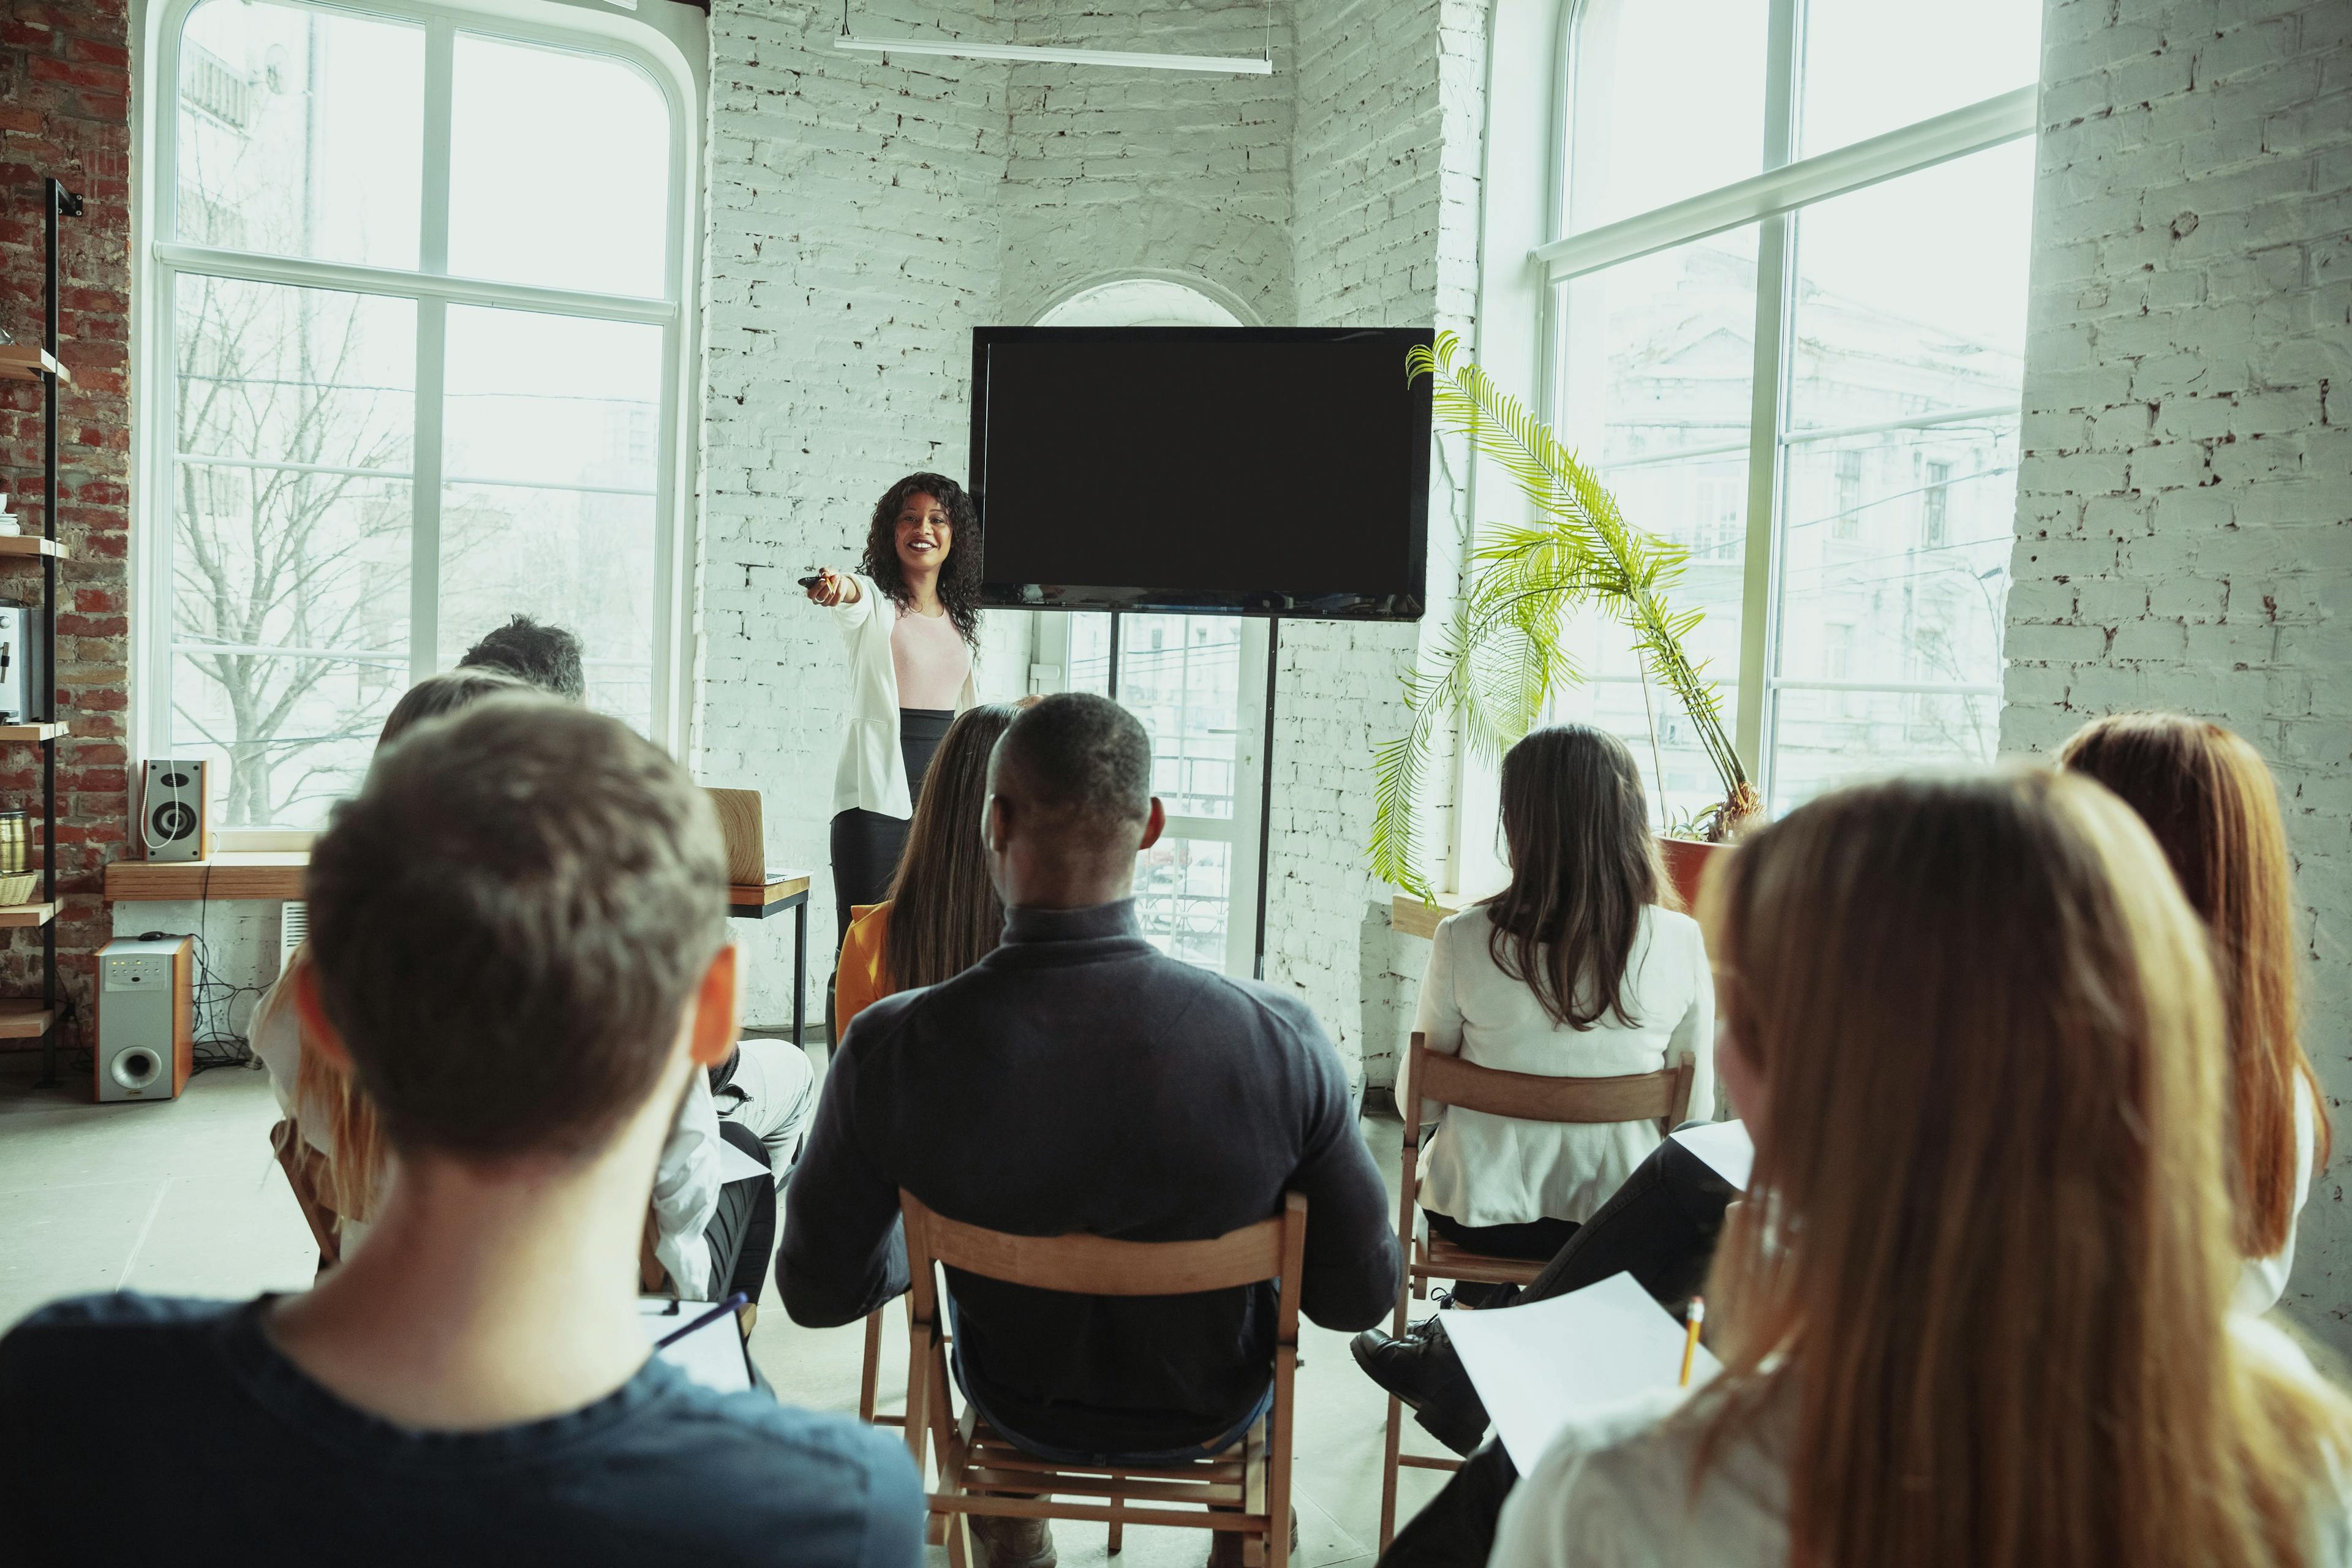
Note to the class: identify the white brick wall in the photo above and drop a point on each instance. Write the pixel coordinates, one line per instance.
(853, 242)
(1384, 170)
(2184, 499)
(865, 216)
(1113, 172)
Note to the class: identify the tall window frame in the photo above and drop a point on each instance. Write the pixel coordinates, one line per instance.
(434, 290)
(1768, 204)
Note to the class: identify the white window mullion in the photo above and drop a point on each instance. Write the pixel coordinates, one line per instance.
(431, 346)
(1775, 273)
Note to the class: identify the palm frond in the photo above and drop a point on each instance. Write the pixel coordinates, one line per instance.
(1501, 657)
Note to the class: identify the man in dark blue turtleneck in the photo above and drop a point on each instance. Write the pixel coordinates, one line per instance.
(1078, 1080)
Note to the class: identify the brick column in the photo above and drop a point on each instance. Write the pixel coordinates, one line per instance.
(65, 109)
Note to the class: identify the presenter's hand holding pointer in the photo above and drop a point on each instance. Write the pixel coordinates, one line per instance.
(830, 587)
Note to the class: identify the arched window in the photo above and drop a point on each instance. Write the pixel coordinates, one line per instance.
(417, 286)
(1787, 316)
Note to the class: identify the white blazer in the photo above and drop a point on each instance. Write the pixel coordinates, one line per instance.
(873, 772)
(1484, 1170)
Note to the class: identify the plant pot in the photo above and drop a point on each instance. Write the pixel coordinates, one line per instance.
(1686, 861)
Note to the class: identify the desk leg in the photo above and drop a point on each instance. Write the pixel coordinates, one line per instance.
(800, 969)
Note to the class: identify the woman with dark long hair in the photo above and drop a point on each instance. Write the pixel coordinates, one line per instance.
(943, 915)
(910, 615)
(2209, 800)
(1575, 970)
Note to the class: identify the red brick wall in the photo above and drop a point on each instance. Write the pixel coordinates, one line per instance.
(65, 109)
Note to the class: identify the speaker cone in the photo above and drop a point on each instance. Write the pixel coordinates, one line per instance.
(173, 819)
(136, 1068)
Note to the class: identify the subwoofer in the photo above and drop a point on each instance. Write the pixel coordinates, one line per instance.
(146, 1017)
(176, 809)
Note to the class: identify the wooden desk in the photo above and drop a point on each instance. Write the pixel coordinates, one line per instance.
(277, 874)
(788, 891)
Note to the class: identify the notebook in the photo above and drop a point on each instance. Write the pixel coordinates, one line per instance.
(713, 1355)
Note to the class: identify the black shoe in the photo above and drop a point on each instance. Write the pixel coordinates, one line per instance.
(1426, 1374)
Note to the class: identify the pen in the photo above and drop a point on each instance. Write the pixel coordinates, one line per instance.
(1692, 1318)
(739, 1299)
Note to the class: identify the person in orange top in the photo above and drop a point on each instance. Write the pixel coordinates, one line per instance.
(943, 915)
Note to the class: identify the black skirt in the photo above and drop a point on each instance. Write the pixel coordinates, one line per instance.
(867, 844)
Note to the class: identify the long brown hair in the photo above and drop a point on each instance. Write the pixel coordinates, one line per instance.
(945, 915)
(2209, 800)
(1986, 1258)
(359, 1154)
(1582, 867)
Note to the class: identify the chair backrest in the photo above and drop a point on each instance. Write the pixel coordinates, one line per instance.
(1096, 1265)
(304, 1167)
(1663, 1096)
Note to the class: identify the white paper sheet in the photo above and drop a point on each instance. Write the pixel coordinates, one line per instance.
(1538, 1366)
(712, 1355)
(1725, 1146)
(734, 1165)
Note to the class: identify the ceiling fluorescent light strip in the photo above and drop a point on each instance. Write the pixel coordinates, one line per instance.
(1046, 54)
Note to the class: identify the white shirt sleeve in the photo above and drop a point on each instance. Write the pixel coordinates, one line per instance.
(686, 1191)
(1438, 1019)
(852, 617)
(1695, 1033)
(2263, 1280)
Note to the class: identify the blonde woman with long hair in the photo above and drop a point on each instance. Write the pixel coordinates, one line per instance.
(2209, 798)
(1975, 1310)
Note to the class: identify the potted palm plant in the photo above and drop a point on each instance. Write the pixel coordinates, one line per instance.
(1501, 657)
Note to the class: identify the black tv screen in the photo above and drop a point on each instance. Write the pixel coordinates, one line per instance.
(1247, 471)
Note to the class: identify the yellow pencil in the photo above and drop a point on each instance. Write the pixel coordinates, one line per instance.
(1691, 1321)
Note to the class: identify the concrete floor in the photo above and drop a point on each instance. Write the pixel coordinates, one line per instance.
(184, 1198)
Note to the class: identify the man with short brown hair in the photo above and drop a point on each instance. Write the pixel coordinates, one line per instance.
(518, 930)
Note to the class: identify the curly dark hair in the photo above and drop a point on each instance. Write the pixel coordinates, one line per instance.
(959, 578)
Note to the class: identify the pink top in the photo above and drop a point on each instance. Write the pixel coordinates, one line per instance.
(931, 661)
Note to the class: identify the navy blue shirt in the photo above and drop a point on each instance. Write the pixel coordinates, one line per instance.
(1078, 1080)
(144, 1430)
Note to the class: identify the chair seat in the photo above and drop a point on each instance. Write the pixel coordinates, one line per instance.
(1439, 1258)
(994, 1465)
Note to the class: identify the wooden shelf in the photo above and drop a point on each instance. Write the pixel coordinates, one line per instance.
(27, 361)
(272, 875)
(24, 1018)
(32, 732)
(28, 914)
(30, 544)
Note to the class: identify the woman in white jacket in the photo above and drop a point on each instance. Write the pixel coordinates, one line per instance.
(910, 615)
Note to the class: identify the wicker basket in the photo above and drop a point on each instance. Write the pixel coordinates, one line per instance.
(19, 887)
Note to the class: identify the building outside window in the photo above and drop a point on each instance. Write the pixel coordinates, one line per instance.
(419, 280)
(1935, 496)
(1851, 354)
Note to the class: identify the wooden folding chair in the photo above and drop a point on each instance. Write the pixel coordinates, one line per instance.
(1245, 1489)
(869, 1382)
(304, 1167)
(1434, 1077)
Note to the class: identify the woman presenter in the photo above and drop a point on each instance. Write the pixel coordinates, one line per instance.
(910, 615)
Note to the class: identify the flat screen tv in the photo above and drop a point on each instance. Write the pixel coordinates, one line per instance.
(1240, 471)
